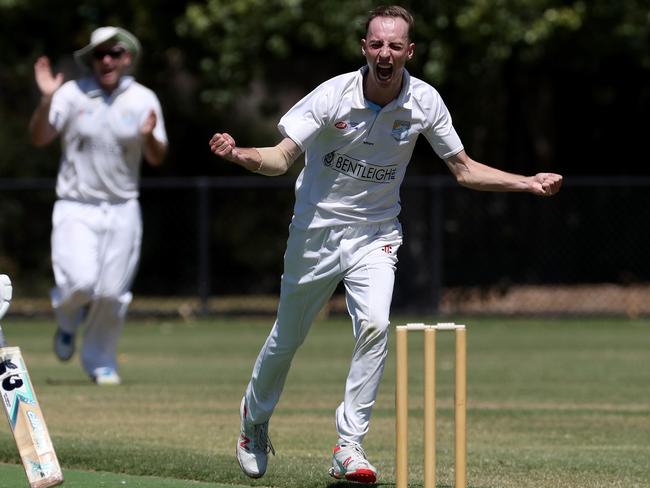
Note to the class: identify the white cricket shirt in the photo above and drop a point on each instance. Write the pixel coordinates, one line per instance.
(356, 157)
(100, 138)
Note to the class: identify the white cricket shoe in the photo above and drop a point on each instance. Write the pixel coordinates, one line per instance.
(349, 462)
(6, 291)
(253, 445)
(63, 344)
(106, 377)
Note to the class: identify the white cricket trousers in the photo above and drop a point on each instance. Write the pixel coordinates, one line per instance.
(95, 253)
(364, 257)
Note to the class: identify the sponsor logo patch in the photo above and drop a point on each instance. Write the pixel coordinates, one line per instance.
(360, 170)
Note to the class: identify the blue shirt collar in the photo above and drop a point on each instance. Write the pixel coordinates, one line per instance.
(91, 88)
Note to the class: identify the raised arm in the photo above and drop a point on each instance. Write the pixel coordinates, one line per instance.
(478, 176)
(40, 131)
(269, 161)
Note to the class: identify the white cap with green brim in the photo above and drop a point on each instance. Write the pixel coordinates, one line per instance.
(105, 34)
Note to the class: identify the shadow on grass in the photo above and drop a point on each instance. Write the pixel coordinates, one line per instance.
(351, 484)
(76, 382)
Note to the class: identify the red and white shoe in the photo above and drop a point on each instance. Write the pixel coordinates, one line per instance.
(253, 445)
(349, 462)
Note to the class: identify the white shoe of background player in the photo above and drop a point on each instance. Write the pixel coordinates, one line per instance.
(349, 462)
(106, 377)
(253, 445)
(6, 290)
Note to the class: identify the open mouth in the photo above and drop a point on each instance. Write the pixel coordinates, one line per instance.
(384, 73)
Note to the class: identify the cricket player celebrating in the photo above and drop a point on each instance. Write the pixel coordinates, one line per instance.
(358, 131)
(107, 122)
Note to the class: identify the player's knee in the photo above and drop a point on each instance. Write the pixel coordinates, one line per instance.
(285, 347)
(113, 304)
(288, 347)
(113, 296)
(82, 292)
(107, 296)
(376, 324)
(373, 331)
(110, 301)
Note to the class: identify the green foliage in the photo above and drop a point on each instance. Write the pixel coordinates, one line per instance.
(493, 32)
(489, 58)
(246, 40)
(251, 58)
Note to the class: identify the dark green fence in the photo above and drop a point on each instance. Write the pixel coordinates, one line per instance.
(464, 251)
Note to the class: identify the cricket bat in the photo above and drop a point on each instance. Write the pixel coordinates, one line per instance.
(23, 411)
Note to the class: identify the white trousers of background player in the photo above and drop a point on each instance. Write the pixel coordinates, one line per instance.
(363, 257)
(95, 252)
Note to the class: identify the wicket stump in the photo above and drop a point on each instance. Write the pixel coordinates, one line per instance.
(401, 403)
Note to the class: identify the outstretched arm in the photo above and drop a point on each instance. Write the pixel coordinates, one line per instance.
(269, 161)
(478, 176)
(40, 131)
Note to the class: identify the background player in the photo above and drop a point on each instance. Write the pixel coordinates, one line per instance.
(107, 123)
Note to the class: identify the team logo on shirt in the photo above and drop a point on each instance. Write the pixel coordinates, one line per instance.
(342, 124)
(400, 130)
(360, 170)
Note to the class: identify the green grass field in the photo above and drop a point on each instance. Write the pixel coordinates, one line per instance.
(551, 403)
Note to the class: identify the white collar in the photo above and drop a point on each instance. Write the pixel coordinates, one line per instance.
(402, 100)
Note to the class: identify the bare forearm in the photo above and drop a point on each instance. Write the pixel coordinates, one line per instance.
(261, 160)
(247, 157)
(269, 161)
(478, 176)
(154, 150)
(41, 132)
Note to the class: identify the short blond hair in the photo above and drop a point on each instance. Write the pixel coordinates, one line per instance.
(391, 11)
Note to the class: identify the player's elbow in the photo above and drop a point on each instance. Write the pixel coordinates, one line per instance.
(463, 178)
(277, 170)
(468, 176)
(37, 140)
(155, 158)
(276, 161)
(154, 151)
